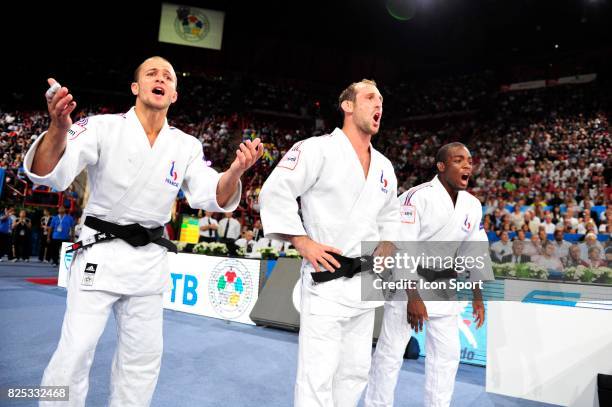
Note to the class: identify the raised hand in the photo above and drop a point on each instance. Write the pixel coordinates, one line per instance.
(60, 104)
(247, 154)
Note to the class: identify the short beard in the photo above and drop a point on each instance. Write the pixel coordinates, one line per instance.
(364, 127)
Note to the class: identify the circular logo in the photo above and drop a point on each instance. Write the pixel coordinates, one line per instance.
(230, 288)
(192, 26)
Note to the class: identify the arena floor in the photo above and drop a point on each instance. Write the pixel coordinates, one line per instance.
(206, 362)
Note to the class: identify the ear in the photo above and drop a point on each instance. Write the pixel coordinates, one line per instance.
(174, 97)
(441, 167)
(135, 88)
(347, 106)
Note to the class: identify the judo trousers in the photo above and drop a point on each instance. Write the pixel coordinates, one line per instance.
(333, 358)
(137, 359)
(442, 351)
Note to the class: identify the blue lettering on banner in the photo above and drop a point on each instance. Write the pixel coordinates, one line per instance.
(175, 278)
(473, 341)
(190, 296)
(552, 297)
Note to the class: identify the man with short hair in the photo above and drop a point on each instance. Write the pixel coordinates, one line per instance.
(447, 217)
(501, 248)
(136, 165)
(347, 193)
(517, 256)
(228, 228)
(562, 246)
(208, 227)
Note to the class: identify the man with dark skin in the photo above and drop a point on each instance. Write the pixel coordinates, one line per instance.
(437, 211)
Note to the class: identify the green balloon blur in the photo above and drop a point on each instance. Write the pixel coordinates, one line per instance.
(402, 10)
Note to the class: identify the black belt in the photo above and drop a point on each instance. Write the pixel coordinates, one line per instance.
(134, 234)
(433, 275)
(348, 268)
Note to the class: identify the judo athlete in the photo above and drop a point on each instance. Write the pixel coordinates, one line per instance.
(347, 191)
(440, 210)
(136, 165)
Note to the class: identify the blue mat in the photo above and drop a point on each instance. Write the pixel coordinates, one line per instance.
(206, 362)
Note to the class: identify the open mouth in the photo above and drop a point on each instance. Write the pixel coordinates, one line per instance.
(159, 91)
(465, 177)
(377, 117)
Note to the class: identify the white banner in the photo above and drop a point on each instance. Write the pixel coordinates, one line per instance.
(566, 80)
(577, 79)
(219, 287)
(192, 26)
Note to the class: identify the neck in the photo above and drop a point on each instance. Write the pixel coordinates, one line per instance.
(451, 191)
(359, 139)
(152, 121)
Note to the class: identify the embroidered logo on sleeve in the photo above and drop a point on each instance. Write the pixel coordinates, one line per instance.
(408, 213)
(291, 159)
(89, 273)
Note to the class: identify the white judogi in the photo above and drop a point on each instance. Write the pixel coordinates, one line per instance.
(428, 214)
(131, 182)
(340, 208)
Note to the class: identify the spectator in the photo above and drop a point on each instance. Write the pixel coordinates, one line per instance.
(573, 258)
(6, 228)
(590, 240)
(246, 242)
(22, 227)
(501, 248)
(257, 230)
(533, 222)
(549, 226)
(534, 247)
(543, 235)
(208, 227)
(61, 230)
(43, 248)
(517, 217)
(561, 246)
(517, 256)
(594, 259)
(548, 259)
(229, 232)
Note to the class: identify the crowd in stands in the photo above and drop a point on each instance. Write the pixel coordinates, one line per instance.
(541, 157)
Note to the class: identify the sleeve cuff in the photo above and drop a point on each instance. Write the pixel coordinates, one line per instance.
(40, 179)
(234, 200)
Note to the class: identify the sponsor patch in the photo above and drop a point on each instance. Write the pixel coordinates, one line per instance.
(89, 273)
(290, 160)
(76, 130)
(408, 213)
